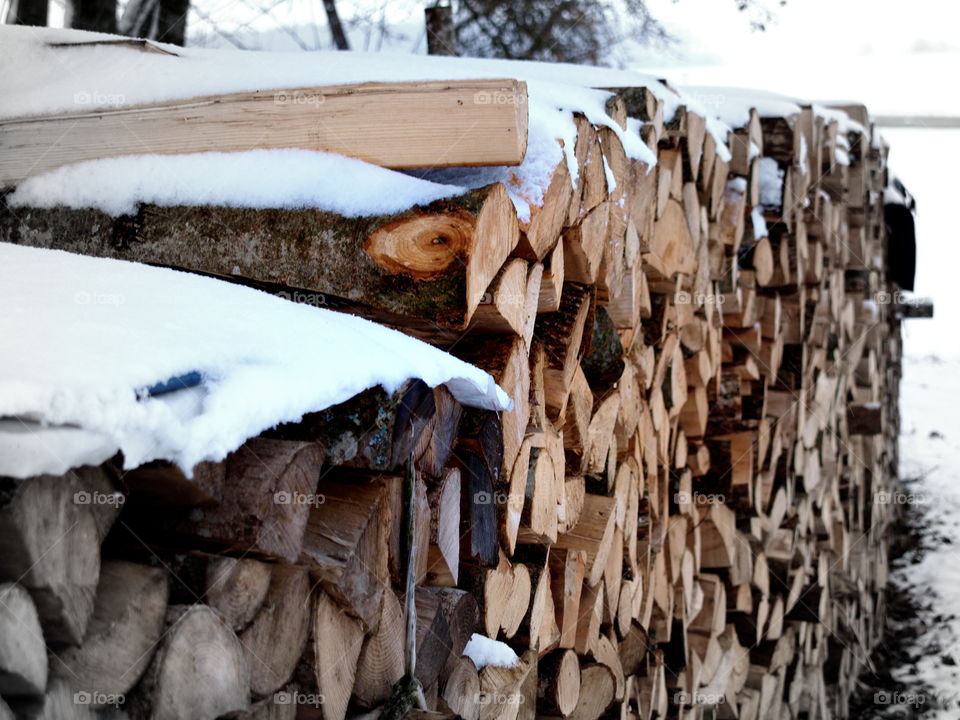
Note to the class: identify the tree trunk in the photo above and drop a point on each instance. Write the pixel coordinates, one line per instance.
(336, 27)
(172, 21)
(441, 33)
(94, 15)
(27, 12)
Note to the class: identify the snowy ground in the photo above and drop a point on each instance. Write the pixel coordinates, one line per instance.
(930, 435)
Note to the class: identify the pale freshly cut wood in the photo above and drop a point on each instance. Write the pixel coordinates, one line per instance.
(123, 633)
(380, 664)
(462, 689)
(596, 692)
(198, 671)
(273, 642)
(593, 534)
(546, 220)
(567, 567)
(590, 617)
(52, 548)
(236, 588)
(23, 656)
(381, 123)
(330, 660)
(443, 566)
(518, 601)
(503, 307)
(347, 538)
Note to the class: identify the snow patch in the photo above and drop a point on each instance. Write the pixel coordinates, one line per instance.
(92, 333)
(484, 651)
(255, 179)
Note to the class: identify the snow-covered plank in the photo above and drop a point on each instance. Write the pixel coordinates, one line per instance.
(395, 125)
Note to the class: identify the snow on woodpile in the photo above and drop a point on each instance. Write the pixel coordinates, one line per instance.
(732, 105)
(255, 179)
(109, 75)
(484, 651)
(87, 338)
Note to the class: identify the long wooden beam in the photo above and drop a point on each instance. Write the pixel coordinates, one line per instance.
(395, 125)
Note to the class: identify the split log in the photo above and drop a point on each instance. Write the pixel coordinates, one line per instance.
(126, 627)
(23, 657)
(328, 668)
(596, 692)
(381, 661)
(267, 495)
(462, 689)
(559, 688)
(198, 670)
(347, 540)
(444, 552)
(274, 640)
(52, 548)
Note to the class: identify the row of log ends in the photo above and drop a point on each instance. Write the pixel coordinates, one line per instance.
(677, 519)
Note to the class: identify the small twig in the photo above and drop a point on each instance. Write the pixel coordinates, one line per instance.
(411, 583)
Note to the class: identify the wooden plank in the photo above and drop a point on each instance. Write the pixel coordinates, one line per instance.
(396, 125)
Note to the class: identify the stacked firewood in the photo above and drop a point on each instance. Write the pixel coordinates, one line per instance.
(683, 515)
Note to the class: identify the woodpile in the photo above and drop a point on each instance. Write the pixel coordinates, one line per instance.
(683, 516)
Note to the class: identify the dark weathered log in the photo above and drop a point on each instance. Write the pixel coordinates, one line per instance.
(374, 430)
(433, 637)
(433, 262)
(267, 495)
(603, 362)
(562, 334)
(865, 419)
(461, 612)
(163, 483)
(478, 513)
